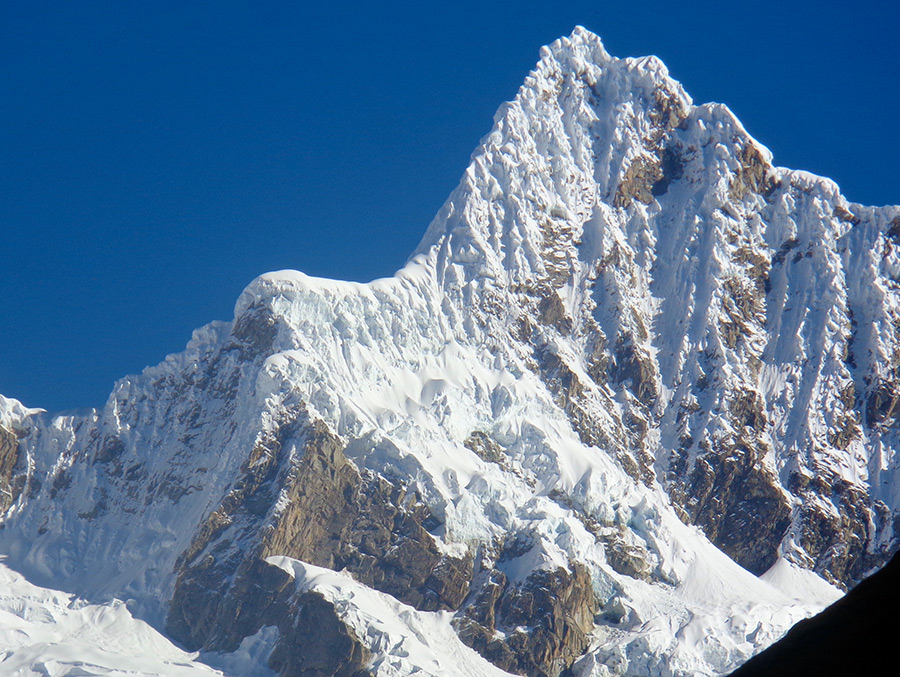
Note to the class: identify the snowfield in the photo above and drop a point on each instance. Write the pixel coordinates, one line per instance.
(50, 634)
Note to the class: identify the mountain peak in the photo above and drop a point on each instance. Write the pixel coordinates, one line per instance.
(581, 39)
(556, 154)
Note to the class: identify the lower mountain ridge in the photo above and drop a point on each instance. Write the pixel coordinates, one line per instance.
(630, 408)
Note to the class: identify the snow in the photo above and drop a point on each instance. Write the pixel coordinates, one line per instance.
(51, 634)
(800, 584)
(403, 640)
(13, 412)
(250, 659)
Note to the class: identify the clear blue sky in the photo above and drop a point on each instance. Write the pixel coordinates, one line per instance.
(156, 157)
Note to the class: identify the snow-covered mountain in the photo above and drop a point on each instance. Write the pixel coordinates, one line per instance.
(630, 408)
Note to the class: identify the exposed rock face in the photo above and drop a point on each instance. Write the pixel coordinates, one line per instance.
(882, 404)
(9, 455)
(331, 516)
(754, 174)
(312, 641)
(317, 643)
(836, 540)
(338, 519)
(639, 181)
(537, 628)
(738, 504)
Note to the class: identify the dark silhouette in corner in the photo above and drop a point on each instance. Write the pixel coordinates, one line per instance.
(854, 636)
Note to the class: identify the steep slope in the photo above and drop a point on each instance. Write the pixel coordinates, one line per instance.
(630, 365)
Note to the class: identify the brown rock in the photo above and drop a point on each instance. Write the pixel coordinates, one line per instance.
(552, 312)
(545, 621)
(753, 175)
(313, 641)
(317, 643)
(9, 456)
(893, 232)
(668, 112)
(486, 448)
(339, 519)
(737, 503)
(628, 559)
(843, 214)
(333, 517)
(255, 332)
(883, 404)
(838, 543)
(642, 174)
(632, 367)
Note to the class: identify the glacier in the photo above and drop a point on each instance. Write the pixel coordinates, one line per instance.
(630, 408)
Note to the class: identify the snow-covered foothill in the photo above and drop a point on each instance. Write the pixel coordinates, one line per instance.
(51, 634)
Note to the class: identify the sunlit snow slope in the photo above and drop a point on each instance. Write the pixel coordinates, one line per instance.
(628, 407)
(47, 633)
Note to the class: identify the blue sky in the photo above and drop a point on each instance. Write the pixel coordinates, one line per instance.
(156, 157)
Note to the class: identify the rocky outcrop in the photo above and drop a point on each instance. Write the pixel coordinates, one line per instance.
(255, 331)
(486, 448)
(316, 643)
(648, 176)
(642, 175)
(9, 455)
(315, 507)
(576, 396)
(753, 174)
(336, 518)
(538, 627)
(836, 541)
(627, 558)
(312, 640)
(738, 505)
(632, 368)
(883, 404)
